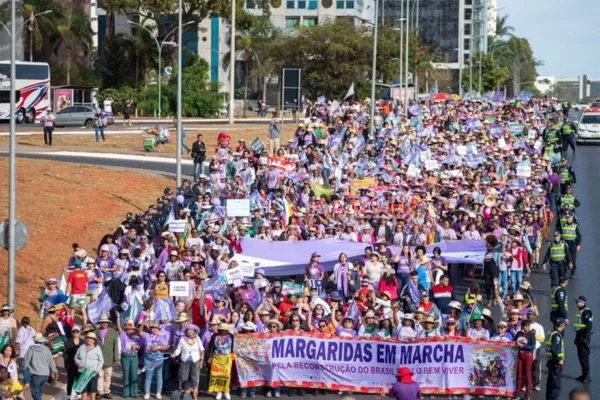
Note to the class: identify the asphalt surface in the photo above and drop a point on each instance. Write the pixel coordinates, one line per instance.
(587, 167)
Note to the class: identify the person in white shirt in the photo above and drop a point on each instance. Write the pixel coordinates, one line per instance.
(194, 240)
(536, 366)
(374, 269)
(191, 353)
(48, 120)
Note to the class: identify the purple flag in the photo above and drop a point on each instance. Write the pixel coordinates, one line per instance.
(101, 306)
(164, 310)
(353, 313)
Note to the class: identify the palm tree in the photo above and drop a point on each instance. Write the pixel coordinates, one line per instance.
(502, 28)
(75, 30)
(43, 29)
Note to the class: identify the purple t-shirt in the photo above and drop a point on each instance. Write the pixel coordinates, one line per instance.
(150, 340)
(405, 391)
(314, 271)
(127, 342)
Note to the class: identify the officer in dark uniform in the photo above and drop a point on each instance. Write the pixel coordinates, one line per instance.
(583, 337)
(568, 136)
(567, 175)
(558, 300)
(555, 358)
(559, 256)
(572, 237)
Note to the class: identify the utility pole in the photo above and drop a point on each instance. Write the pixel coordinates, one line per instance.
(12, 185)
(374, 71)
(232, 65)
(179, 89)
(407, 50)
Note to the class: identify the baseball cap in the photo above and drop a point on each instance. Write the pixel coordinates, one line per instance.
(582, 299)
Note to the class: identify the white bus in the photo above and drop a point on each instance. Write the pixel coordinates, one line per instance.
(33, 90)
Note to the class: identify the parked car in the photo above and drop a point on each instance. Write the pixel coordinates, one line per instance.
(79, 116)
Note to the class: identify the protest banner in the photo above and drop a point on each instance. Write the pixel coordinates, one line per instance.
(364, 183)
(292, 289)
(177, 225)
(515, 128)
(447, 366)
(238, 207)
(233, 276)
(179, 288)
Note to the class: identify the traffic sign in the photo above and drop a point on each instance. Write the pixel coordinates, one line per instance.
(21, 234)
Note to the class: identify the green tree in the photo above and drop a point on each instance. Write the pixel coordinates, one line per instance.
(492, 74)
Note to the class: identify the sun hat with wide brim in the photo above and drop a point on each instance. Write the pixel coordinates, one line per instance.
(182, 317)
(275, 322)
(430, 320)
(39, 338)
(104, 318)
(224, 327)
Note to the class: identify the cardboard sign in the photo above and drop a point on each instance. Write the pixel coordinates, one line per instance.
(461, 150)
(177, 225)
(233, 275)
(524, 169)
(238, 207)
(431, 165)
(413, 171)
(179, 288)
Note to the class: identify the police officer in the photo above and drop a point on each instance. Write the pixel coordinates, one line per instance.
(568, 199)
(555, 358)
(567, 175)
(583, 337)
(565, 214)
(568, 136)
(558, 300)
(552, 133)
(572, 237)
(559, 256)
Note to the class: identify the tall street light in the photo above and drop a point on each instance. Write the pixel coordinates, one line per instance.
(407, 51)
(179, 89)
(28, 20)
(373, 72)
(401, 29)
(12, 197)
(232, 64)
(159, 46)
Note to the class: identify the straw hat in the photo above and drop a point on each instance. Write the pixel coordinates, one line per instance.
(490, 200)
(104, 318)
(91, 335)
(39, 338)
(182, 317)
(224, 327)
(275, 322)
(430, 320)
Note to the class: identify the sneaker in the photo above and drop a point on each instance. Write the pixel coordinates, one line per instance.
(158, 396)
(227, 396)
(537, 388)
(277, 394)
(146, 396)
(243, 395)
(269, 393)
(219, 396)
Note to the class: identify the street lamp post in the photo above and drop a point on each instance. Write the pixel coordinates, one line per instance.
(179, 89)
(479, 85)
(407, 51)
(401, 29)
(373, 72)
(159, 46)
(232, 64)
(12, 196)
(28, 20)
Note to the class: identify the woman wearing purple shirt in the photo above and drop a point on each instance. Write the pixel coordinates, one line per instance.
(131, 343)
(155, 343)
(404, 264)
(314, 272)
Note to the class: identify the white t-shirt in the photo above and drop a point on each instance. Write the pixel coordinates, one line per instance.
(107, 106)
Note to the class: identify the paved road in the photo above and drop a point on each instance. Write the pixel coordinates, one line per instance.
(587, 166)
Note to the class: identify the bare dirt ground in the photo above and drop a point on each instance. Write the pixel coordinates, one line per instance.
(62, 203)
(133, 143)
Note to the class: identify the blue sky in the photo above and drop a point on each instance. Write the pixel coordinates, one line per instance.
(564, 34)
